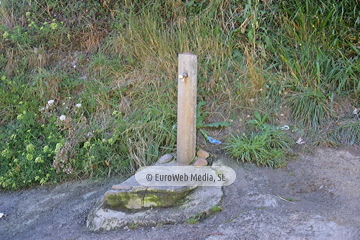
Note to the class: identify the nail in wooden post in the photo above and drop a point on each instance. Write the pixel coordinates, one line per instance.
(186, 115)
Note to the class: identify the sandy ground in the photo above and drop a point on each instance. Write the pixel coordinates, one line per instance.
(317, 196)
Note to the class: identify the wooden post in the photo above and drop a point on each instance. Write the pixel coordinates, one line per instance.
(186, 115)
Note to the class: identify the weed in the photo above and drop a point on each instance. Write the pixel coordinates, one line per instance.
(192, 220)
(216, 208)
(260, 121)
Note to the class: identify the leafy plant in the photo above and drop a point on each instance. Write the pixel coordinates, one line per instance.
(260, 121)
(27, 152)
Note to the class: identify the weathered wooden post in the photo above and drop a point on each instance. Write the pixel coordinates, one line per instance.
(186, 114)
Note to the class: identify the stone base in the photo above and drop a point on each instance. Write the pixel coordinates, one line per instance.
(200, 201)
(129, 204)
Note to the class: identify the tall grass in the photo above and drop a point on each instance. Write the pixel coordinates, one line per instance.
(119, 62)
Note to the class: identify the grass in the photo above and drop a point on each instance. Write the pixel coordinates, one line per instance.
(267, 148)
(346, 133)
(263, 144)
(119, 61)
(310, 108)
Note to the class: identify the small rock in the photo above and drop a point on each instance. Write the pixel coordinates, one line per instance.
(121, 187)
(202, 154)
(166, 158)
(200, 162)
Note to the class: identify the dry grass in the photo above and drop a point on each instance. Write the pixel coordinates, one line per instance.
(7, 17)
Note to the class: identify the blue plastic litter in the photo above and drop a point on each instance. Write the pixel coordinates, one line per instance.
(213, 141)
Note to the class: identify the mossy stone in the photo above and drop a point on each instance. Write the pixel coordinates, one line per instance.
(144, 197)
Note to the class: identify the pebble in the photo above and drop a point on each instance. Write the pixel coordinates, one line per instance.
(166, 158)
(202, 154)
(200, 162)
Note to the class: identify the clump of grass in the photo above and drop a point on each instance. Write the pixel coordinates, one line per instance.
(346, 133)
(264, 149)
(310, 108)
(266, 146)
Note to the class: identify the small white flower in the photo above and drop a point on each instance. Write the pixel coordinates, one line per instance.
(62, 118)
(356, 111)
(51, 102)
(78, 105)
(74, 66)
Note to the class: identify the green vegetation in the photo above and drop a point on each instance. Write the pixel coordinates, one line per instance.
(88, 88)
(215, 209)
(264, 145)
(200, 121)
(192, 220)
(195, 218)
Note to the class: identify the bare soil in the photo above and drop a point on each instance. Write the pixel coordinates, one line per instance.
(317, 196)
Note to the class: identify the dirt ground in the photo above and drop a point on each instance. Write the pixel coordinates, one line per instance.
(317, 196)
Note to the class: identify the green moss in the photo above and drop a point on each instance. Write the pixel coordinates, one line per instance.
(143, 198)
